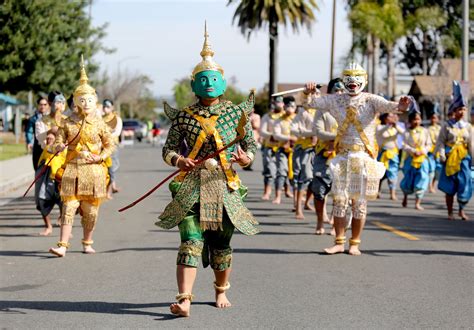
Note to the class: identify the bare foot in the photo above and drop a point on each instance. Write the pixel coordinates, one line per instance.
(451, 217)
(394, 198)
(419, 207)
(222, 301)
(405, 202)
(463, 215)
(319, 231)
(265, 197)
(115, 190)
(46, 232)
(337, 248)
(87, 249)
(354, 250)
(182, 308)
(276, 201)
(299, 216)
(59, 251)
(289, 194)
(309, 207)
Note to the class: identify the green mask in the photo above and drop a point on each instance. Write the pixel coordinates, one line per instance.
(209, 84)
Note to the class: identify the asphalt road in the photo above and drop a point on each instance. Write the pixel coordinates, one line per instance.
(280, 278)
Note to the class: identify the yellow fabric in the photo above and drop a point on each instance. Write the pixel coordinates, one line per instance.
(455, 157)
(387, 155)
(56, 163)
(434, 133)
(108, 162)
(305, 143)
(416, 161)
(290, 164)
(208, 126)
(351, 118)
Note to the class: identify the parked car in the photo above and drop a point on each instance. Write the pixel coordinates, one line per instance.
(136, 126)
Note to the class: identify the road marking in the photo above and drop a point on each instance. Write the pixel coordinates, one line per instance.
(395, 231)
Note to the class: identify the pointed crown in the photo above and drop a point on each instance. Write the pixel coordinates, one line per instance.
(84, 87)
(207, 54)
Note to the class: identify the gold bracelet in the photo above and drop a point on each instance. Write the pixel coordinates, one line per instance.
(177, 160)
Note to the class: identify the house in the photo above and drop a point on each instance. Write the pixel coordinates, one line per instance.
(428, 90)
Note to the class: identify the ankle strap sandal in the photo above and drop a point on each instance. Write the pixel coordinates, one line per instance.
(183, 296)
(63, 244)
(87, 243)
(222, 288)
(354, 241)
(340, 240)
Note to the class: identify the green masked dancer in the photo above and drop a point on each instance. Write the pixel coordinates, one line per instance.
(208, 197)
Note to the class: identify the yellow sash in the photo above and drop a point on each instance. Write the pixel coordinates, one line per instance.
(208, 126)
(351, 118)
(457, 154)
(388, 155)
(416, 161)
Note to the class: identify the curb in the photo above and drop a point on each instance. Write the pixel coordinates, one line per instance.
(13, 184)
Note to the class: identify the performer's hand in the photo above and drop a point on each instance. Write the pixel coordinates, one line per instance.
(240, 157)
(60, 147)
(404, 103)
(418, 153)
(186, 164)
(310, 88)
(93, 159)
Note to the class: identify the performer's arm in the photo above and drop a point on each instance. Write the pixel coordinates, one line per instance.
(277, 133)
(381, 105)
(264, 132)
(406, 145)
(319, 127)
(108, 145)
(295, 126)
(428, 144)
(306, 127)
(170, 151)
(248, 143)
(440, 142)
(40, 131)
(118, 129)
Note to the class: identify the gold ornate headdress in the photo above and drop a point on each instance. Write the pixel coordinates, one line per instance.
(207, 53)
(84, 87)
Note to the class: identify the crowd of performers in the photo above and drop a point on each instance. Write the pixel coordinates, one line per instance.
(75, 157)
(334, 144)
(348, 142)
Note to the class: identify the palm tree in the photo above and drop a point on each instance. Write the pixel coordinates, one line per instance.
(252, 15)
(426, 19)
(384, 22)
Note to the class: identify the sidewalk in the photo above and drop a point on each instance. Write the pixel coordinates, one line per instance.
(15, 173)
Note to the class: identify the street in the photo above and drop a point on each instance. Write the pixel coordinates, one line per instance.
(281, 279)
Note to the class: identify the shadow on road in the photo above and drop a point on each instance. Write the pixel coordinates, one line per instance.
(418, 252)
(11, 307)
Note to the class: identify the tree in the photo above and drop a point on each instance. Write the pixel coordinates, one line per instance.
(384, 21)
(254, 14)
(423, 23)
(130, 91)
(42, 43)
(440, 41)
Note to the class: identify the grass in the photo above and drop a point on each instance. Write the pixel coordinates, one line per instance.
(9, 151)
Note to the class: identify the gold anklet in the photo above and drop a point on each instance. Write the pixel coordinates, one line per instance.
(340, 240)
(63, 244)
(183, 296)
(222, 288)
(87, 243)
(354, 241)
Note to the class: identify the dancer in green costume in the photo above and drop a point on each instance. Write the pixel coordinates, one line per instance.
(207, 198)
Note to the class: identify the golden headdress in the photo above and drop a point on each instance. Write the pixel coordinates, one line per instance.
(207, 53)
(84, 87)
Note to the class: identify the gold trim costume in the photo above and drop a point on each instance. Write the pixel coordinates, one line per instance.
(208, 200)
(84, 184)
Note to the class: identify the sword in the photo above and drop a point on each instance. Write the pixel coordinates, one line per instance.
(290, 91)
(240, 135)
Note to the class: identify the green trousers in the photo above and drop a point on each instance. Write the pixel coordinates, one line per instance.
(212, 245)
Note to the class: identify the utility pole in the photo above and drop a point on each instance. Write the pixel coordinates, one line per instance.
(465, 83)
(331, 73)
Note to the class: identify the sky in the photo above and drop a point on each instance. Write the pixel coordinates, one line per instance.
(163, 39)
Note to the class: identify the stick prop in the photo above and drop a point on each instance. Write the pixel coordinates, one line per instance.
(240, 136)
(49, 161)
